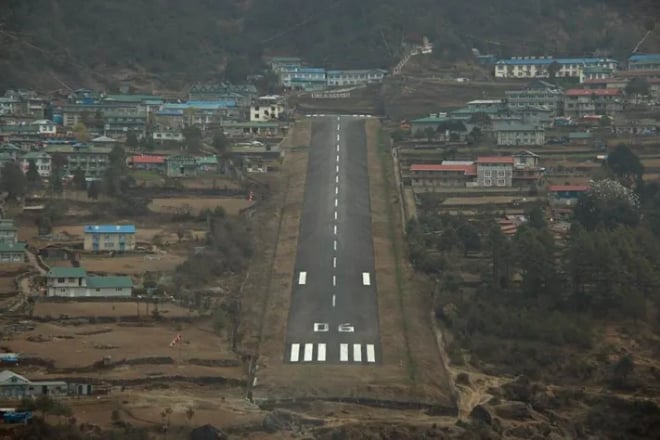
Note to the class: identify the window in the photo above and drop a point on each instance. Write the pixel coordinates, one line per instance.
(487, 173)
(118, 289)
(488, 182)
(500, 173)
(62, 290)
(98, 290)
(501, 182)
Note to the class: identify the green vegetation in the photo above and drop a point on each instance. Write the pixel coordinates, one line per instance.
(199, 39)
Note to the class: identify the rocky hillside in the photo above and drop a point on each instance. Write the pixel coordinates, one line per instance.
(48, 43)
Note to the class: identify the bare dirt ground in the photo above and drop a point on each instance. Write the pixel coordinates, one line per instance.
(485, 200)
(194, 205)
(210, 182)
(112, 309)
(131, 264)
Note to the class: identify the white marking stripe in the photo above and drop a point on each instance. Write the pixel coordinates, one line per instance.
(337, 137)
(337, 179)
(336, 202)
(337, 168)
(295, 352)
(335, 229)
(335, 215)
(320, 355)
(334, 262)
(371, 353)
(302, 278)
(309, 349)
(334, 300)
(334, 280)
(334, 245)
(343, 352)
(337, 158)
(366, 279)
(357, 352)
(336, 190)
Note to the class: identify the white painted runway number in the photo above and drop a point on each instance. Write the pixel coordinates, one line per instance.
(321, 327)
(346, 328)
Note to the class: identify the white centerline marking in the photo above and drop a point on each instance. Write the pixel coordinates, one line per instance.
(337, 158)
(334, 229)
(343, 352)
(337, 178)
(337, 137)
(309, 349)
(302, 278)
(371, 353)
(295, 352)
(357, 353)
(366, 279)
(334, 280)
(336, 190)
(337, 148)
(335, 215)
(334, 262)
(334, 300)
(336, 202)
(337, 168)
(334, 245)
(320, 356)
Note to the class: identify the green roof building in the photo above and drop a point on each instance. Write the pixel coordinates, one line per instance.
(74, 282)
(12, 252)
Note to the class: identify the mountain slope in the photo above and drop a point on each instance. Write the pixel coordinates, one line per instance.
(45, 42)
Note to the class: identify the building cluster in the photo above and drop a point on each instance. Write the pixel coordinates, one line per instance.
(519, 170)
(294, 74)
(13, 386)
(33, 128)
(11, 250)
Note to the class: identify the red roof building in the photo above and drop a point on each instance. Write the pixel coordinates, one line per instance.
(147, 162)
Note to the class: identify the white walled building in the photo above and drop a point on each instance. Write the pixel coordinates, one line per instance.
(41, 160)
(494, 171)
(533, 67)
(267, 108)
(74, 282)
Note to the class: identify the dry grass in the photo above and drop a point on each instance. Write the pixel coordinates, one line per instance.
(112, 309)
(195, 205)
(73, 346)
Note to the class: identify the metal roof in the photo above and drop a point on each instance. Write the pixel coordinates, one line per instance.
(66, 272)
(94, 282)
(110, 229)
(549, 60)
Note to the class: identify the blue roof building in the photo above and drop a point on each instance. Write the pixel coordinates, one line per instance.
(306, 78)
(644, 62)
(113, 238)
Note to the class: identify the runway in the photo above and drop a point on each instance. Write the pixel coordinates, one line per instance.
(334, 307)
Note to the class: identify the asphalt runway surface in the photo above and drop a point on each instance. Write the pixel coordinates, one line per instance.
(334, 307)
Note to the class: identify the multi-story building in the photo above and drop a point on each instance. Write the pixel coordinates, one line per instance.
(595, 72)
(644, 62)
(92, 160)
(181, 165)
(427, 177)
(117, 238)
(354, 77)
(72, 114)
(8, 105)
(41, 160)
(494, 171)
(516, 133)
(526, 169)
(533, 67)
(8, 231)
(305, 78)
(75, 282)
(267, 108)
(119, 124)
(241, 95)
(582, 102)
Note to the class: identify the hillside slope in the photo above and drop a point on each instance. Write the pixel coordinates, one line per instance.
(46, 42)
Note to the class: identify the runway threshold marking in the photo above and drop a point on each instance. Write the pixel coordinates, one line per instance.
(320, 355)
(357, 352)
(309, 350)
(343, 352)
(302, 278)
(295, 352)
(371, 353)
(366, 279)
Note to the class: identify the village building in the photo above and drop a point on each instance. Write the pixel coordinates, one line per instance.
(428, 177)
(566, 194)
(167, 136)
(539, 67)
(513, 133)
(494, 171)
(74, 282)
(181, 165)
(537, 94)
(116, 238)
(267, 108)
(595, 72)
(252, 129)
(151, 162)
(644, 62)
(11, 250)
(13, 386)
(93, 160)
(583, 102)
(338, 78)
(526, 169)
(303, 78)
(41, 160)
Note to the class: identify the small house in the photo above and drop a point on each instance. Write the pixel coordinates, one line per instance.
(15, 386)
(74, 282)
(207, 163)
(181, 165)
(566, 194)
(8, 231)
(118, 238)
(147, 162)
(12, 252)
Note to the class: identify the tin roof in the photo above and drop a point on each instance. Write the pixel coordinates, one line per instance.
(494, 159)
(110, 229)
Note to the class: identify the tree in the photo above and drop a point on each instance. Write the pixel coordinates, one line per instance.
(13, 181)
(220, 142)
(79, 179)
(32, 175)
(622, 369)
(469, 237)
(93, 190)
(132, 141)
(236, 70)
(193, 137)
(80, 132)
(638, 87)
(553, 69)
(116, 172)
(625, 165)
(536, 216)
(607, 204)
